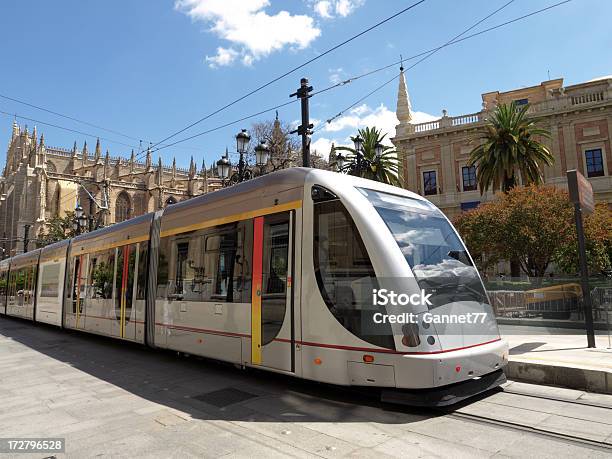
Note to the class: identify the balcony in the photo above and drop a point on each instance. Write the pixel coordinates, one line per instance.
(572, 98)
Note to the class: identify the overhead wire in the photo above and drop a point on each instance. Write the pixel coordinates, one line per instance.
(428, 54)
(289, 72)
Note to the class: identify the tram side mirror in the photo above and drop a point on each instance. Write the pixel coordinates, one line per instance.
(319, 193)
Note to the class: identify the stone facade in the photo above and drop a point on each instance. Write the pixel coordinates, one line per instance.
(40, 182)
(579, 118)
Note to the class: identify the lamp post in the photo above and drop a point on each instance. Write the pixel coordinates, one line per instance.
(358, 143)
(262, 154)
(379, 149)
(223, 168)
(79, 223)
(262, 158)
(340, 162)
(242, 143)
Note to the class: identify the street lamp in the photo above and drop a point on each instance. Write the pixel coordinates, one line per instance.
(262, 154)
(379, 149)
(358, 142)
(340, 161)
(223, 167)
(80, 220)
(242, 143)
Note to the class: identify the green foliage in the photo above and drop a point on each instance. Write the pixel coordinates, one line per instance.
(510, 146)
(535, 226)
(383, 169)
(58, 229)
(598, 242)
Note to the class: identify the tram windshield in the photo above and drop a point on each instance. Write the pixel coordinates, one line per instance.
(430, 245)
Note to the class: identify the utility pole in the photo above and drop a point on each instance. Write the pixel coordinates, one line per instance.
(303, 93)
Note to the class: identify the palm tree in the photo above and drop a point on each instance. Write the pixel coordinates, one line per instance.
(509, 145)
(382, 167)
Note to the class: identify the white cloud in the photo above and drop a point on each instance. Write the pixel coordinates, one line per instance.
(224, 56)
(365, 116)
(328, 9)
(346, 7)
(323, 9)
(322, 146)
(252, 32)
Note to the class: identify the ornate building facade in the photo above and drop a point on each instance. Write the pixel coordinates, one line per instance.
(434, 155)
(41, 182)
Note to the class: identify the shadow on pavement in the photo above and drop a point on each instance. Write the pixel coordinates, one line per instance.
(203, 388)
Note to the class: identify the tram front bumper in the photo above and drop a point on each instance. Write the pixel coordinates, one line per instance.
(445, 395)
(421, 371)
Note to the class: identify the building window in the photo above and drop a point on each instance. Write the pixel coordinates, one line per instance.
(122, 207)
(468, 173)
(171, 200)
(430, 183)
(521, 102)
(594, 162)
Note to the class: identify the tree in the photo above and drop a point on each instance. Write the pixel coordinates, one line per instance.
(58, 229)
(598, 242)
(383, 168)
(284, 147)
(528, 224)
(509, 147)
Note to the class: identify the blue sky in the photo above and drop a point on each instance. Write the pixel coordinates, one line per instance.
(148, 68)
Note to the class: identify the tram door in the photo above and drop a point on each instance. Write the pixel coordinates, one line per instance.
(272, 334)
(75, 318)
(123, 325)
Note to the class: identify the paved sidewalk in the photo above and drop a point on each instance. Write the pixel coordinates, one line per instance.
(558, 357)
(113, 399)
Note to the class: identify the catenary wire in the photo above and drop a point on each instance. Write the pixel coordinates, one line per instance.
(426, 55)
(450, 43)
(293, 70)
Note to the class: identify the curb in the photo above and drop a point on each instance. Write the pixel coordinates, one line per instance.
(555, 375)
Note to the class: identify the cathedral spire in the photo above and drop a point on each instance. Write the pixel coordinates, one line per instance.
(192, 168)
(35, 134)
(74, 150)
(160, 171)
(42, 140)
(403, 111)
(203, 170)
(84, 152)
(16, 129)
(174, 167)
(106, 165)
(148, 160)
(98, 152)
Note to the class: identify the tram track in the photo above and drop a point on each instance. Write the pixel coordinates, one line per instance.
(520, 400)
(573, 439)
(557, 399)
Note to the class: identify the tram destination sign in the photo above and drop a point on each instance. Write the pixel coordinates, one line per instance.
(580, 191)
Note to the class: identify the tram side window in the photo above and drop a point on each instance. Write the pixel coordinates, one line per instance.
(3, 287)
(102, 268)
(206, 265)
(225, 265)
(50, 279)
(141, 288)
(344, 271)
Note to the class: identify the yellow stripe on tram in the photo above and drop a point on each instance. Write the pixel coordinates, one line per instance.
(233, 218)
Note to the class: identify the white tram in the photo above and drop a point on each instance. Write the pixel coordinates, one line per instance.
(270, 273)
